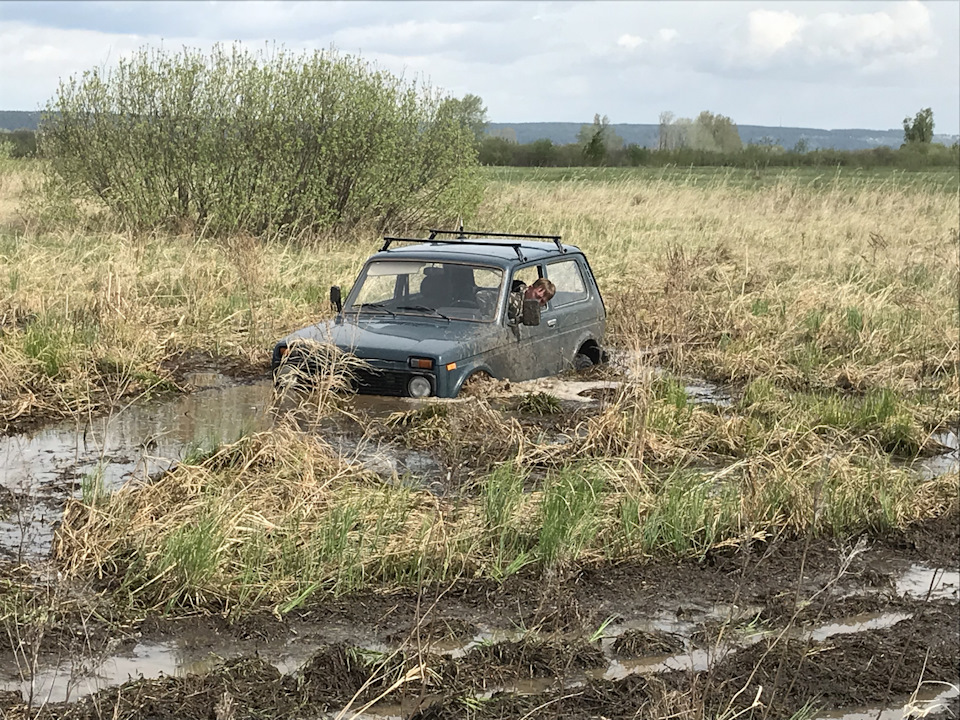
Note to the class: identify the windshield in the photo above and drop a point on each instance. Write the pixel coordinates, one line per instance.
(451, 291)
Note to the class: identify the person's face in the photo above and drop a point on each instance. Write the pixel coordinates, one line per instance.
(536, 293)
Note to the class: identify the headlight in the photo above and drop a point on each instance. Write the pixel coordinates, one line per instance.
(419, 387)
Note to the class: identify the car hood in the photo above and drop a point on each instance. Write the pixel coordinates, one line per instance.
(399, 338)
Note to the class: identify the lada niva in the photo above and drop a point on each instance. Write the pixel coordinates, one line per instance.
(427, 317)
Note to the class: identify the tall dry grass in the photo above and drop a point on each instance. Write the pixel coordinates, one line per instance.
(847, 285)
(830, 309)
(89, 314)
(840, 284)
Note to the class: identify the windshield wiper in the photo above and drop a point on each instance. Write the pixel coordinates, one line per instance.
(423, 308)
(376, 305)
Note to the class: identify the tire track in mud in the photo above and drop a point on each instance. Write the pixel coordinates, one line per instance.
(607, 641)
(511, 679)
(502, 651)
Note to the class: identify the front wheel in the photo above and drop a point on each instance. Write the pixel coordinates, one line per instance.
(581, 362)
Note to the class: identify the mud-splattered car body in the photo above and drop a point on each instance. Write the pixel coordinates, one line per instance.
(438, 310)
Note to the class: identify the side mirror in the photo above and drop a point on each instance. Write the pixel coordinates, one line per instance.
(530, 315)
(335, 300)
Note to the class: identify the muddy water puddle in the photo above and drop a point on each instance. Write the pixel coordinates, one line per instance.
(948, 462)
(921, 582)
(930, 698)
(44, 468)
(193, 652)
(40, 470)
(201, 651)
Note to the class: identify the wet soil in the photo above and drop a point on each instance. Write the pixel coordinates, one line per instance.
(174, 372)
(855, 630)
(181, 366)
(604, 641)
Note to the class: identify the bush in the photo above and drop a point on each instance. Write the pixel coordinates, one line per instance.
(18, 144)
(239, 141)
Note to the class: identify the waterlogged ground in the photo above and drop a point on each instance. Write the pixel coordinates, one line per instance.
(857, 630)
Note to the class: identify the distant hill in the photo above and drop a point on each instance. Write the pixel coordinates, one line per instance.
(787, 137)
(18, 120)
(639, 134)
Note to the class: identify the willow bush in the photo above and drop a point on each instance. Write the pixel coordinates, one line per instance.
(260, 142)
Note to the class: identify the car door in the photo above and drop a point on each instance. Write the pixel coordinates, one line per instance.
(570, 311)
(535, 351)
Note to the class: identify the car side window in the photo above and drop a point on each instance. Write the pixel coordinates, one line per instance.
(522, 277)
(568, 279)
(528, 276)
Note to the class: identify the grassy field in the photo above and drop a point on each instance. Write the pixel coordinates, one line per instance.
(932, 180)
(825, 303)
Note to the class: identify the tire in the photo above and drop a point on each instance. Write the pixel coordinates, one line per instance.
(581, 362)
(291, 379)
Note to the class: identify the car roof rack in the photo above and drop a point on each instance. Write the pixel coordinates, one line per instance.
(462, 236)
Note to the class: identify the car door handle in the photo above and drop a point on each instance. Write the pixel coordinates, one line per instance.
(551, 322)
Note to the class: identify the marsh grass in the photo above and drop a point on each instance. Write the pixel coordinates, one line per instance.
(838, 281)
(316, 377)
(569, 514)
(501, 497)
(278, 517)
(539, 403)
(826, 304)
(471, 432)
(785, 281)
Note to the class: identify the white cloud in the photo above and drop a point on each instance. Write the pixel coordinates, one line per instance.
(33, 58)
(552, 60)
(667, 34)
(407, 35)
(772, 31)
(862, 42)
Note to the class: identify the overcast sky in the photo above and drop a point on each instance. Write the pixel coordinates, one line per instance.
(860, 64)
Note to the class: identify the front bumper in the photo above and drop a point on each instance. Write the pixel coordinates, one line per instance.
(380, 377)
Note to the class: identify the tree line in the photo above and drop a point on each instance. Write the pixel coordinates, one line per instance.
(281, 143)
(19, 143)
(713, 140)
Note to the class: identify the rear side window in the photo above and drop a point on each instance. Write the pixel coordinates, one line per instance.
(528, 276)
(568, 279)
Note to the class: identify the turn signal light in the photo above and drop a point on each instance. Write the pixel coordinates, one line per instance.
(421, 363)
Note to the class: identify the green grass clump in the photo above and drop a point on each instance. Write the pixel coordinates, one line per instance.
(880, 417)
(539, 403)
(569, 514)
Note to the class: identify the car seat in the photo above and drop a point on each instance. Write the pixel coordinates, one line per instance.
(462, 286)
(435, 287)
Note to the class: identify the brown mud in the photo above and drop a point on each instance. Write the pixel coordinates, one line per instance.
(593, 642)
(744, 630)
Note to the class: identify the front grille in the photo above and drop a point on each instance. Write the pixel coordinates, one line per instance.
(381, 382)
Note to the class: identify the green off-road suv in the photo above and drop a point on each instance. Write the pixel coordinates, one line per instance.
(425, 318)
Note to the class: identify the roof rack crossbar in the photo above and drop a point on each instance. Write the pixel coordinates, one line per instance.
(516, 246)
(493, 234)
(463, 234)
